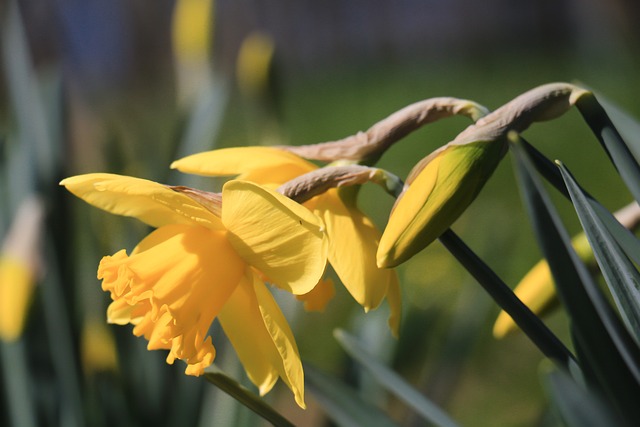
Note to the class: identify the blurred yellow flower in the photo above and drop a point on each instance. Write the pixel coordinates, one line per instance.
(16, 287)
(197, 266)
(19, 266)
(192, 29)
(353, 238)
(254, 63)
(98, 348)
(537, 289)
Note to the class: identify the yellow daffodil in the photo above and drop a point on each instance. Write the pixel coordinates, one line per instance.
(353, 238)
(19, 266)
(197, 266)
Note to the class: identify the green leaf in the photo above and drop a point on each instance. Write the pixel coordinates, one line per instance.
(252, 401)
(627, 241)
(605, 341)
(620, 274)
(627, 125)
(342, 403)
(394, 383)
(578, 406)
(526, 320)
(601, 125)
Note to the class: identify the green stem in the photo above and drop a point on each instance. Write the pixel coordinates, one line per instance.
(528, 322)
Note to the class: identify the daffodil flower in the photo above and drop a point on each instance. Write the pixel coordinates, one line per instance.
(197, 266)
(353, 238)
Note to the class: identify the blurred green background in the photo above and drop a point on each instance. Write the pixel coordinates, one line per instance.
(100, 86)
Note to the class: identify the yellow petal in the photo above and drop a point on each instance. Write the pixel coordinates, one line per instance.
(174, 284)
(318, 298)
(262, 165)
(262, 338)
(283, 340)
(16, 290)
(274, 234)
(353, 242)
(148, 201)
(440, 193)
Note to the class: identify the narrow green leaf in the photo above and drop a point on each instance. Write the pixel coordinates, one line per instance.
(607, 345)
(627, 241)
(578, 406)
(620, 274)
(342, 403)
(627, 125)
(252, 401)
(392, 382)
(601, 125)
(528, 322)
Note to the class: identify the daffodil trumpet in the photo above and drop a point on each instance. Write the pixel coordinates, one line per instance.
(442, 185)
(197, 266)
(367, 147)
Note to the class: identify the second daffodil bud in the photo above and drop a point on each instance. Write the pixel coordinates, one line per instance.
(444, 184)
(440, 188)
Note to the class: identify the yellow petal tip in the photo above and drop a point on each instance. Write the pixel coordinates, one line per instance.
(504, 326)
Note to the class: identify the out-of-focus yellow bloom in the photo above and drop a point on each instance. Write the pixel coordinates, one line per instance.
(16, 287)
(19, 265)
(353, 238)
(254, 64)
(447, 182)
(537, 290)
(98, 348)
(197, 266)
(192, 29)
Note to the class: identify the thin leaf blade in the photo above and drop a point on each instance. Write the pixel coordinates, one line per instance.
(252, 401)
(620, 274)
(394, 383)
(341, 403)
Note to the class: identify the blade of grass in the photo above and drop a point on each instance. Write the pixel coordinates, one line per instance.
(342, 403)
(528, 322)
(620, 274)
(601, 125)
(610, 357)
(245, 397)
(392, 382)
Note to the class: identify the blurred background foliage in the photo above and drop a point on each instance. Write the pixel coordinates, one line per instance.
(97, 85)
